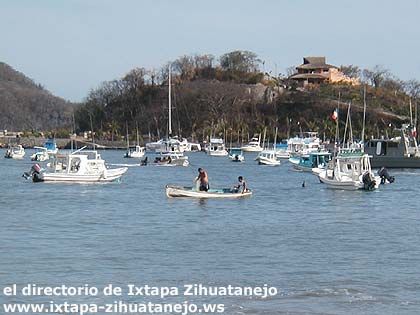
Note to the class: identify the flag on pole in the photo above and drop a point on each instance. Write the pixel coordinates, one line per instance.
(334, 114)
(414, 132)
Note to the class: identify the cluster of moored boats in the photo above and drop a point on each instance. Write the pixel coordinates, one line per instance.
(348, 166)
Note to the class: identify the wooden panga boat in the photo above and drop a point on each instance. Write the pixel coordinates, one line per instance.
(192, 192)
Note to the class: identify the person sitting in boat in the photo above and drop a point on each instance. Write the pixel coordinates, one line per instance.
(241, 186)
(203, 179)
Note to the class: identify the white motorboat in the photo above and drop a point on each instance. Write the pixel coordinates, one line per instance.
(236, 155)
(153, 146)
(267, 157)
(282, 151)
(350, 172)
(216, 147)
(41, 155)
(253, 146)
(15, 152)
(136, 152)
(308, 142)
(194, 147)
(171, 159)
(81, 166)
(51, 146)
(192, 192)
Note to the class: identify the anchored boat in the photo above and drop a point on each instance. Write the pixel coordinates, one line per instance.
(267, 157)
(314, 162)
(171, 159)
(51, 146)
(216, 147)
(350, 172)
(398, 152)
(192, 192)
(236, 155)
(41, 155)
(253, 146)
(15, 152)
(81, 166)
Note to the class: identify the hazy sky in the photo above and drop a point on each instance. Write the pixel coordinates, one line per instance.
(71, 46)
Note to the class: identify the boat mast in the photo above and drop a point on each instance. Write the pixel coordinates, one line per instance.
(128, 141)
(275, 140)
(137, 133)
(265, 132)
(411, 114)
(345, 127)
(170, 104)
(364, 118)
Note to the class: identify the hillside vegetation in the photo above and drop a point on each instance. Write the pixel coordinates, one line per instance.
(25, 105)
(232, 98)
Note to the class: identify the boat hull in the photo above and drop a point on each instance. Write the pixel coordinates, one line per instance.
(345, 185)
(217, 153)
(269, 162)
(251, 149)
(395, 162)
(108, 176)
(188, 192)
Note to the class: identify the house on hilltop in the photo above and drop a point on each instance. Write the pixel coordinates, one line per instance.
(315, 70)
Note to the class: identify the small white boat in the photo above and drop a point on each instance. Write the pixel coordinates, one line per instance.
(81, 166)
(253, 146)
(192, 192)
(41, 155)
(308, 142)
(171, 159)
(51, 146)
(236, 155)
(282, 154)
(153, 146)
(216, 147)
(350, 172)
(194, 147)
(15, 152)
(267, 157)
(136, 152)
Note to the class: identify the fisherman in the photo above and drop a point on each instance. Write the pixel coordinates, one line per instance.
(203, 180)
(241, 186)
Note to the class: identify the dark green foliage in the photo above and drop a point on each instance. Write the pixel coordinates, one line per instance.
(25, 105)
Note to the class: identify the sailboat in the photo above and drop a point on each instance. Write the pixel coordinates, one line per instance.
(137, 151)
(171, 150)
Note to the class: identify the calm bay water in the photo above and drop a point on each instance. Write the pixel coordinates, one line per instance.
(328, 252)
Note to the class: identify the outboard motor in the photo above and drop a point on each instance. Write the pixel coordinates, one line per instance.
(34, 173)
(368, 181)
(383, 173)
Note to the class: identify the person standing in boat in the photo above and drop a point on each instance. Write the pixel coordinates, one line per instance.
(241, 186)
(203, 179)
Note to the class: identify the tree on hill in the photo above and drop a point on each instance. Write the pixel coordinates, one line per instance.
(240, 60)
